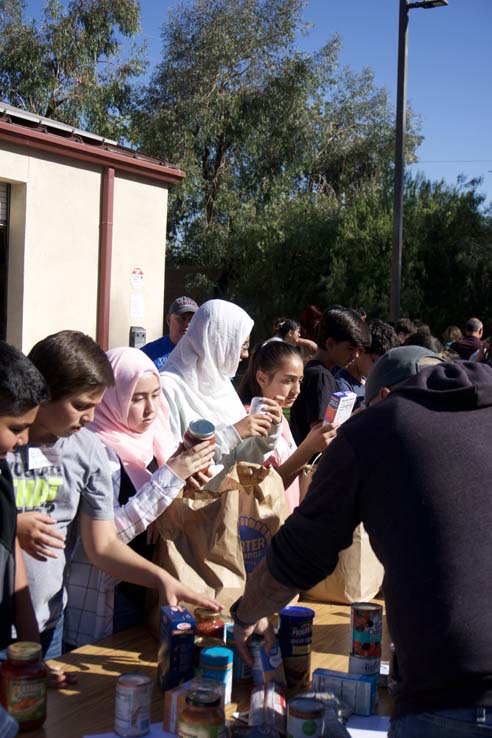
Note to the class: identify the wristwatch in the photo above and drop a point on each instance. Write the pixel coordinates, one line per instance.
(233, 611)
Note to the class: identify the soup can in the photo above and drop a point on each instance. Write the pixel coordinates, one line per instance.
(366, 628)
(267, 667)
(198, 431)
(295, 637)
(132, 705)
(305, 718)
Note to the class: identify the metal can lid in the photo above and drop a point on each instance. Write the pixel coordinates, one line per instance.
(206, 613)
(216, 656)
(24, 651)
(203, 698)
(371, 606)
(202, 429)
(306, 707)
(133, 679)
(297, 612)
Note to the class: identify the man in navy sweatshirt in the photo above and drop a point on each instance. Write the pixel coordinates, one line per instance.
(416, 469)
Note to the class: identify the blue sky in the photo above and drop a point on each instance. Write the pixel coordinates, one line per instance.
(449, 69)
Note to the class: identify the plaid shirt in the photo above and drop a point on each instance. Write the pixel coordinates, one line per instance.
(90, 606)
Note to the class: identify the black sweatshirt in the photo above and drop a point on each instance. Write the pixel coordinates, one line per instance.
(8, 521)
(416, 469)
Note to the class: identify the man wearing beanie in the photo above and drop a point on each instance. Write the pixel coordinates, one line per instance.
(415, 468)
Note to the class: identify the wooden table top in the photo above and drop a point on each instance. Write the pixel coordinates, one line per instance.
(88, 707)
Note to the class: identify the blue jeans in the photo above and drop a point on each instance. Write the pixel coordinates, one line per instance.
(52, 641)
(470, 722)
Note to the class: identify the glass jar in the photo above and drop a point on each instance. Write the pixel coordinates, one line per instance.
(24, 684)
(208, 623)
(202, 716)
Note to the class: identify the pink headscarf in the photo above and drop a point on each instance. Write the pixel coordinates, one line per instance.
(135, 450)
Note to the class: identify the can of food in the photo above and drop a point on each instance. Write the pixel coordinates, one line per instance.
(203, 716)
(258, 405)
(216, 665)
(267, 667)
(366, 628)
(363, 665)
(305, 718)
(132, 705)
(241, 671)
(198, 431)
(202, 642)
(295, 637)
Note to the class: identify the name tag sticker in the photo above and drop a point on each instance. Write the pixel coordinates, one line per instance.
(38, 458)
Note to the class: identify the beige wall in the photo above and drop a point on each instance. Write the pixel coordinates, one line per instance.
(139, 233)
(54, 248)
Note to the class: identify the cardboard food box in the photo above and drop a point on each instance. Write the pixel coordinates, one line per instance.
(358, 691)
(339, 408)
(176, 644)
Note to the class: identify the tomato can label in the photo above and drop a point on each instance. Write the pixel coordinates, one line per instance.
(366, 627)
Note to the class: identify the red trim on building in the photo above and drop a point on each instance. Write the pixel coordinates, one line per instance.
(125, 160)
(105, 256)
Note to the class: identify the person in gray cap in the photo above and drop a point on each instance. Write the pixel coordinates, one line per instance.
(393, 368)
(178, 319)
(415, 469)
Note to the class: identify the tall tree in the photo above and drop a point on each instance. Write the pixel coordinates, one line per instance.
(69, 66)
(265, 133)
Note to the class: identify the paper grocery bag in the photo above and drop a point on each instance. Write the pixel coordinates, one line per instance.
(211, 540)
(358, 575)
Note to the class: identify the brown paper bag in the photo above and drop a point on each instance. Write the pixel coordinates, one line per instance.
(203, 534)
(358, 575)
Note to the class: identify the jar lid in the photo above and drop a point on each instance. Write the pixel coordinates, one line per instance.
(217, 656)
(203, 698)
(202, 428)
(24, 651)
(205, 613)
(297, 612)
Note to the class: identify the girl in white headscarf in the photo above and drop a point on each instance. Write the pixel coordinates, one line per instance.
(196, 384)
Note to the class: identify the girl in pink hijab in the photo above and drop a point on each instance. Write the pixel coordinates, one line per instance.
(132, 422)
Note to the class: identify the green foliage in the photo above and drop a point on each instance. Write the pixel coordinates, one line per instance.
(286, 155)
(68, 67)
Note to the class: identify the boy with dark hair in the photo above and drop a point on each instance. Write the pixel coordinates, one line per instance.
(342, 334)
(22, 390)
(352, 378)
(64, 488)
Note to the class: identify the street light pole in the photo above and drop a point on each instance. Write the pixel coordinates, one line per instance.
(401, 124)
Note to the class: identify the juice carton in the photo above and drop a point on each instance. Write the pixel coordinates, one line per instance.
(339, 407)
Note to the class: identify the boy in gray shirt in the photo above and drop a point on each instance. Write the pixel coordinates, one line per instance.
(63, 487)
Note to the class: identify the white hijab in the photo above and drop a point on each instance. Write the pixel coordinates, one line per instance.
(198, 371)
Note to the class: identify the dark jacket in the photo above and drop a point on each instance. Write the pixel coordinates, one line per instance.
(417, 470)
(8, 520)
(466, 346)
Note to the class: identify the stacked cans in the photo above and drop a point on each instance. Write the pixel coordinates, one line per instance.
(366, 632)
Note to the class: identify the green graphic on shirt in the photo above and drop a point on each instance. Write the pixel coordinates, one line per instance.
(35, 492)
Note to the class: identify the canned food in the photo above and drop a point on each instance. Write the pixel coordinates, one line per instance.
(267, 667)
(366, 627)
(202, 642)
(305, 717)
(241, 671)
(363, 665)
(295, 637)
(132, 705)
(198, 431)
(203, 716)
